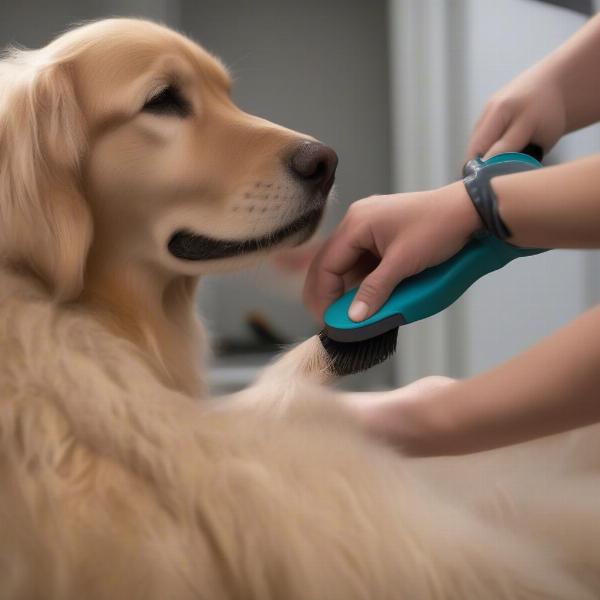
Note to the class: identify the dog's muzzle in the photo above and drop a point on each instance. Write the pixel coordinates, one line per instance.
(313, 166)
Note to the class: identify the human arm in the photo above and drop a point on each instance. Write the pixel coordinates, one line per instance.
(559, 94)
(550, 388)
(554, 207)
(384, 239)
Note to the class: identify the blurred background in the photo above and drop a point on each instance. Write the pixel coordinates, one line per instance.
(395, 87)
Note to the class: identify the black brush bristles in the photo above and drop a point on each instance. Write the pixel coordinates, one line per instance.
(353, 357)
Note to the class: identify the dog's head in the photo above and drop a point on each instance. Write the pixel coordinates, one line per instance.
(121, 136)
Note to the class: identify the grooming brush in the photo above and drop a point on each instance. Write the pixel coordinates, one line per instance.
(357, 346)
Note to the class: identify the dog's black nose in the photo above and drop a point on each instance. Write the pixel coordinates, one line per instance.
(314, 163)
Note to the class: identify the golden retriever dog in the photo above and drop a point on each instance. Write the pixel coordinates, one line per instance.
(126, 172)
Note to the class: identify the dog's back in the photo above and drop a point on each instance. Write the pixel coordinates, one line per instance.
(116, 487)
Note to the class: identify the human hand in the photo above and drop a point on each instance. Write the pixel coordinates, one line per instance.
(530, 109)
(384, 239)
(403, 416)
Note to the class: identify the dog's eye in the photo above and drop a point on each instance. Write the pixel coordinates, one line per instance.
(168, 101)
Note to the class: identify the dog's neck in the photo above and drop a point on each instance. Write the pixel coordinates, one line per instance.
(154, 311)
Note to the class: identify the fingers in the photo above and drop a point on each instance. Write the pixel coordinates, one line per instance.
(327, 275)
(514, 139)
(377, 287)
(488, 129)
(501, 128)
(321, 288)
(365, 264)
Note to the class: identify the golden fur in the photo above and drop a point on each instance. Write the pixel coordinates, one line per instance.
(119, 478)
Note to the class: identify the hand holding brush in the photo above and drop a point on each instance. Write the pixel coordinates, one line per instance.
(551, 387)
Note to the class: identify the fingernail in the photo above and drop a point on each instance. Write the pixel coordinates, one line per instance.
(358, 310)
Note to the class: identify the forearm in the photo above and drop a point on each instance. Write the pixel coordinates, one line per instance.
(554, 207)
(575, 67)
(553, 387)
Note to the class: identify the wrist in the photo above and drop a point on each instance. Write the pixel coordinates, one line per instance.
(477, 182)
(462, 212)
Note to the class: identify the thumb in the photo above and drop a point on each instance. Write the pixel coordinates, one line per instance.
(376, 288)
(516, 138)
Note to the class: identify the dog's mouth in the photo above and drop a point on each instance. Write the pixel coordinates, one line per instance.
(188, 245)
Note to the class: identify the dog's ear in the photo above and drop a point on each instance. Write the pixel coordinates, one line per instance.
(45, 224)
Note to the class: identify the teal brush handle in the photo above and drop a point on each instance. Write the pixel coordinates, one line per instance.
(430, 291)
